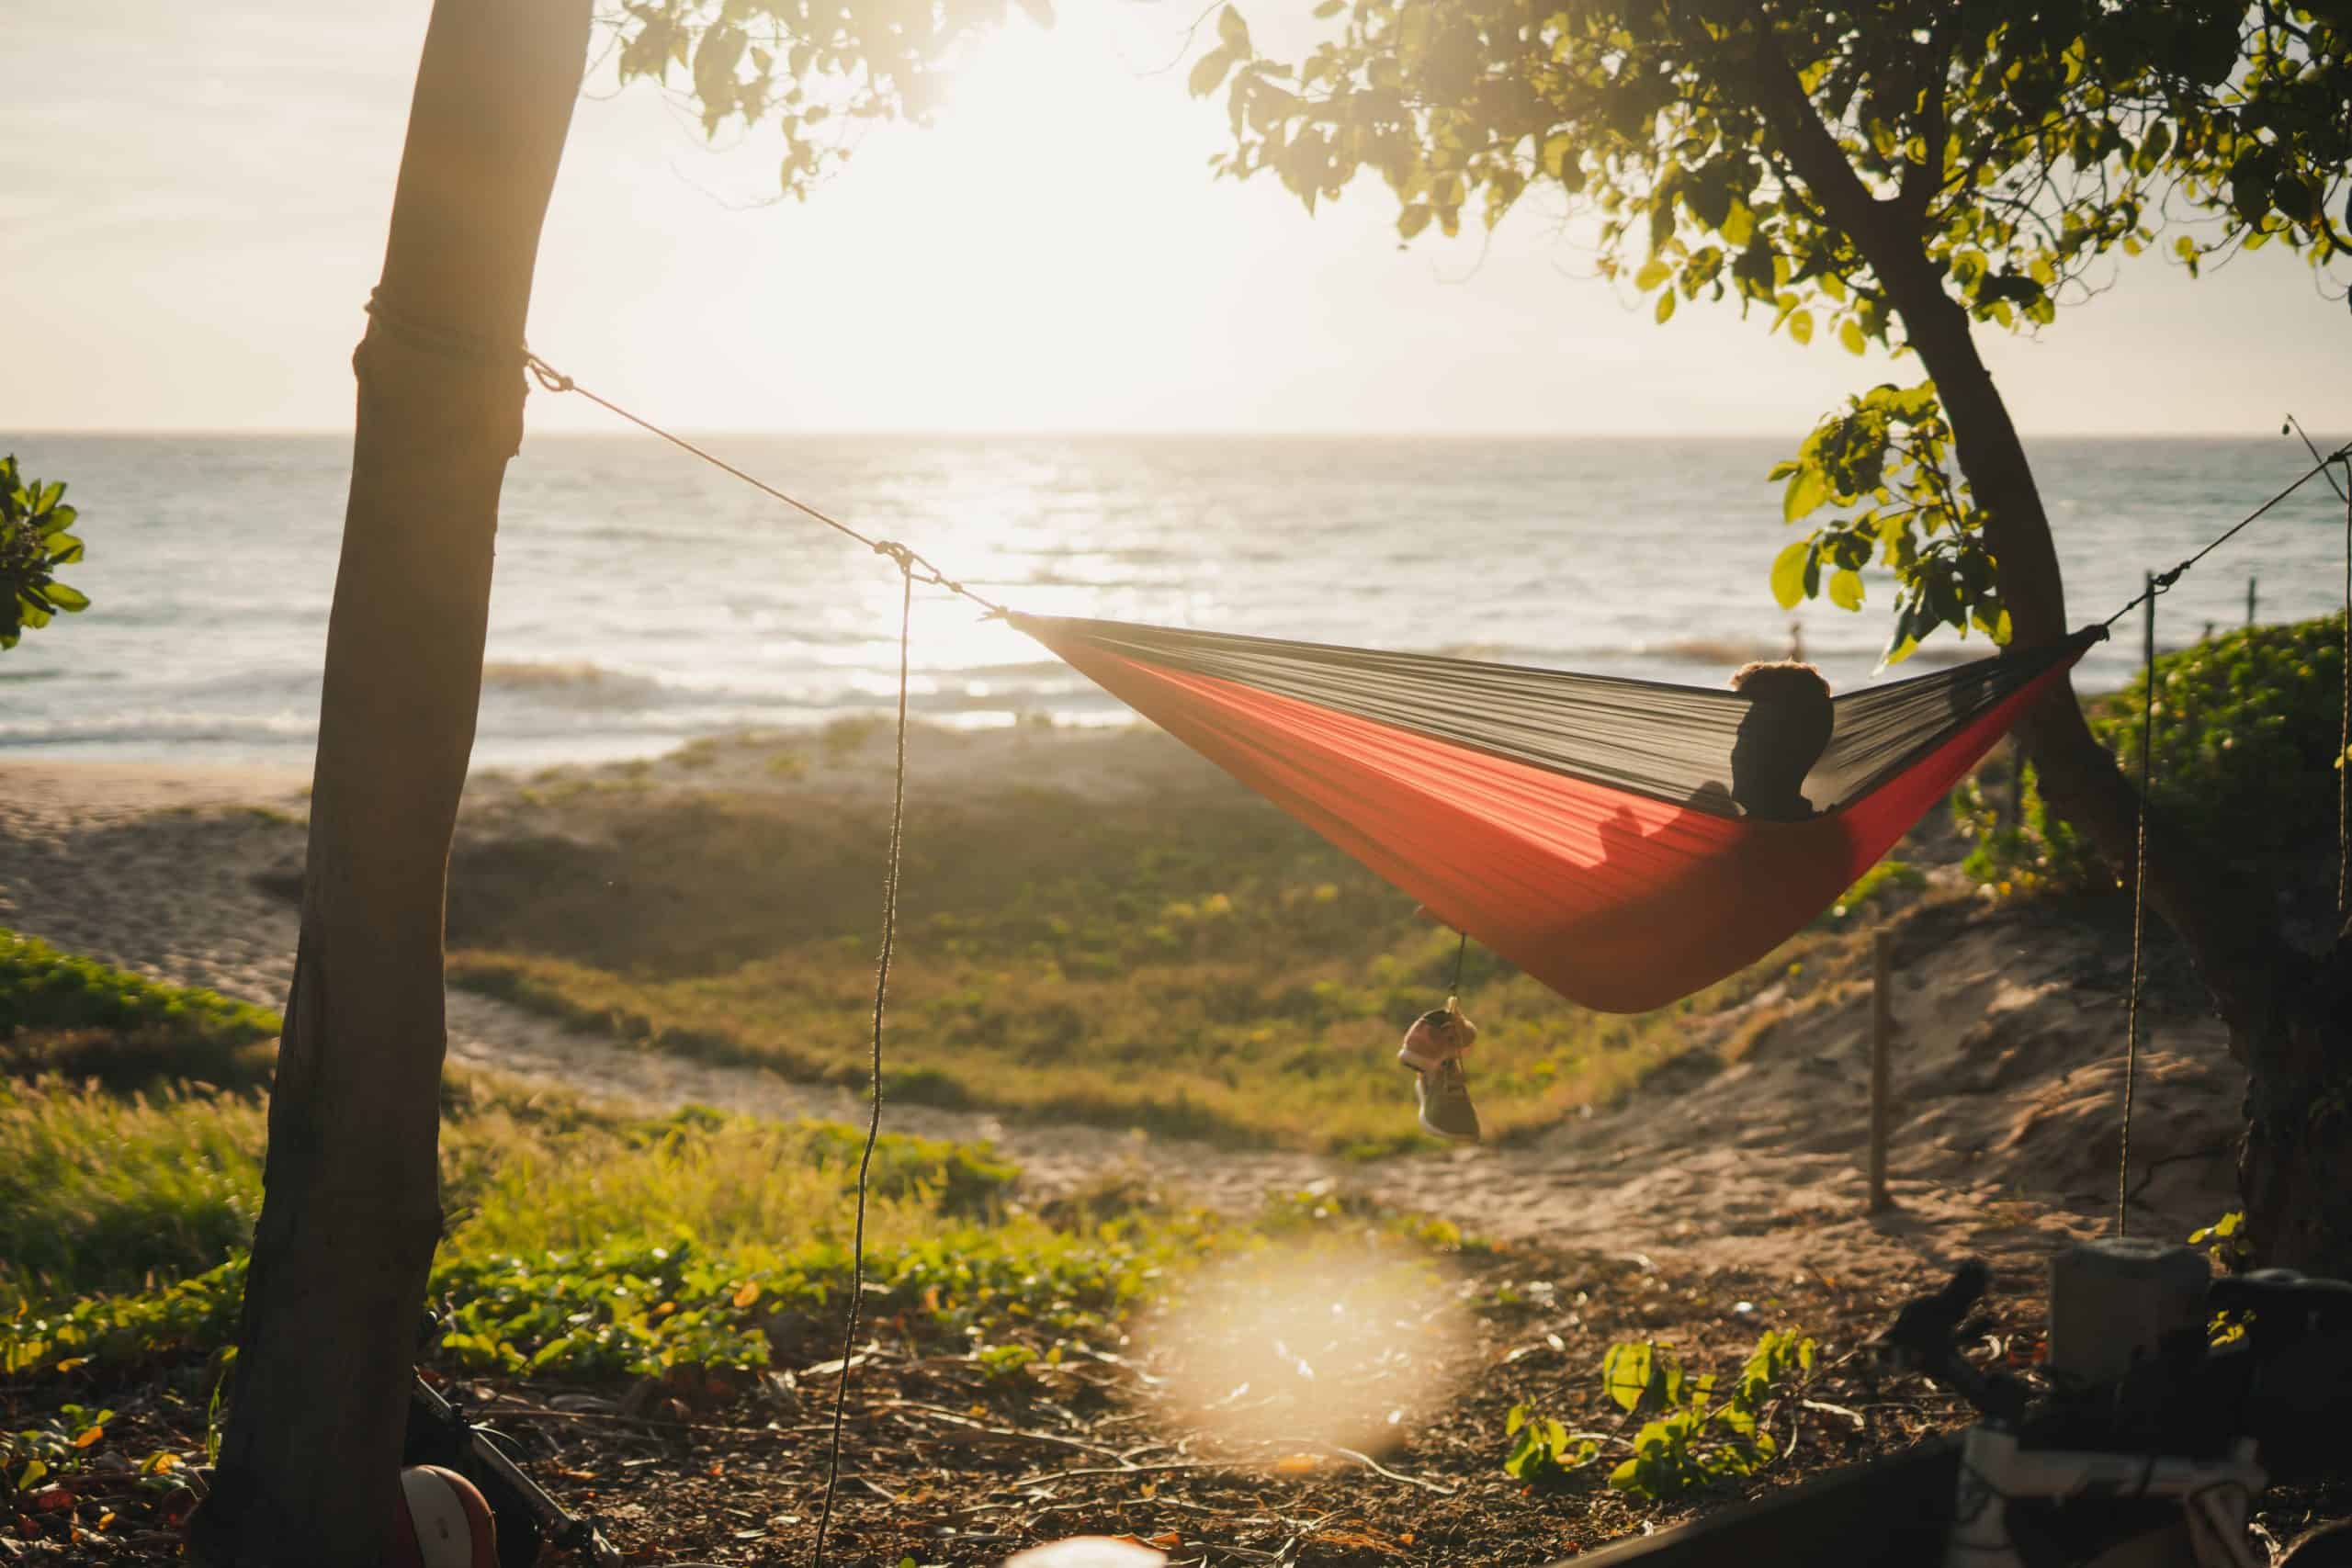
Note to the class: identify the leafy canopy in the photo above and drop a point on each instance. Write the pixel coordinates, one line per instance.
(1828, 164)
(34, 543)
(815, 70)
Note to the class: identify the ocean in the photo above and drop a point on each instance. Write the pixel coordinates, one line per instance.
(643, 599)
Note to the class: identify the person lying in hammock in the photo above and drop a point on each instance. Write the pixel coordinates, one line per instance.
(1784, 734)
(1781, 736)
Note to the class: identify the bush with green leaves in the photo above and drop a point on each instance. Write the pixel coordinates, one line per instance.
(1698, 1432)
(35, 541)
(2244, 759)
(1696, 1437)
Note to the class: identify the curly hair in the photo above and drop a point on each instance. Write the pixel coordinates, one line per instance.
(1784, 734)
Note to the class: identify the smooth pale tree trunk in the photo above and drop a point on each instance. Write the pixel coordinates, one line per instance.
(309, 1469)
(2289, 1014)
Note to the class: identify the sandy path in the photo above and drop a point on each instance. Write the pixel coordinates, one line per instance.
(2007, 1070)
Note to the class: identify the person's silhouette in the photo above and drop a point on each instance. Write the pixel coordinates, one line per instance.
(1784, 733)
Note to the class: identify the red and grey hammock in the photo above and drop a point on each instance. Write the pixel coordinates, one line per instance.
(1580, 826)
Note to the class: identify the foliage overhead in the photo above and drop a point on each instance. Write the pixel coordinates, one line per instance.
(815, 70)
(35, 541)
(1840, 166)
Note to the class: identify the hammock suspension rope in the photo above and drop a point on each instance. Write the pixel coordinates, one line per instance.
(2139, 907)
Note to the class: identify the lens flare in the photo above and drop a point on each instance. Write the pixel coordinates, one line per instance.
(1305, 1348)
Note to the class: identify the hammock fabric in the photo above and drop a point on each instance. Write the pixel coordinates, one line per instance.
(1582, 826)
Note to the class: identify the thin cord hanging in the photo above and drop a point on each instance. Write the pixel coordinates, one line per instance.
(1461, 952)
(874, 1081)
(2343, 738)
(2138, 914)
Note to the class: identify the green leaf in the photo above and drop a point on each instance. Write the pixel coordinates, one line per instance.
(1208, 72)
(1850, 333)
(1801, 325)
(1845, 589)
(1625, 1372)
(1653, 272)
(66, 598)
(1665, 305)
(1788, 574)
(1414, 219)
(1233, 32)
(1808, 491)
(1329, 9)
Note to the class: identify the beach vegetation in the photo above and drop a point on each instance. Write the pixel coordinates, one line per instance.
(37, 541)
(580, 1240)
(2245, 761)
(79, 1017)
(1187, 961)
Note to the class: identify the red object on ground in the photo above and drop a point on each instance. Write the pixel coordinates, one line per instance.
(444, 1522)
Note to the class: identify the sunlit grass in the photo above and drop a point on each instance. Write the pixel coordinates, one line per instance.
(578, 1241)
(1194, 964)
(71, 1015)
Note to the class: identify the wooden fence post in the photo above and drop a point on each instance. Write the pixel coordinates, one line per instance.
(1882, 1032)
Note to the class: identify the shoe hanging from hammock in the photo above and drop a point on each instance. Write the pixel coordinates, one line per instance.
(1590, 830)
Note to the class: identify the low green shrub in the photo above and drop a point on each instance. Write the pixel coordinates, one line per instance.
(2244, 759)
(79, 1017)
(1698, 1431)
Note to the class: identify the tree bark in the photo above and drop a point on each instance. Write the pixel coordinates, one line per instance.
(309, 1469)
(2290, 1016)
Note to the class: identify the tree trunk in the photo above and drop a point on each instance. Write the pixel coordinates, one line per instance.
(2288, 1014)
(308, 1469)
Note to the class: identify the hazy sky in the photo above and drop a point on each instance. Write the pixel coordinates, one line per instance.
(193, 201)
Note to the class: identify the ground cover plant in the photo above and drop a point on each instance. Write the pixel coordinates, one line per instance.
(1186, 960)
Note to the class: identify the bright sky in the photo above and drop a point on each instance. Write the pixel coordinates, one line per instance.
(193, 201)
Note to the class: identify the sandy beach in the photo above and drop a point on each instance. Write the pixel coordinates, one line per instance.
(1746, 1151)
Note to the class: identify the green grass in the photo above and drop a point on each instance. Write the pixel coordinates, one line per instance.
(578, 1240)
(1191, 963)
(80, 1018)
(589, 1245)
